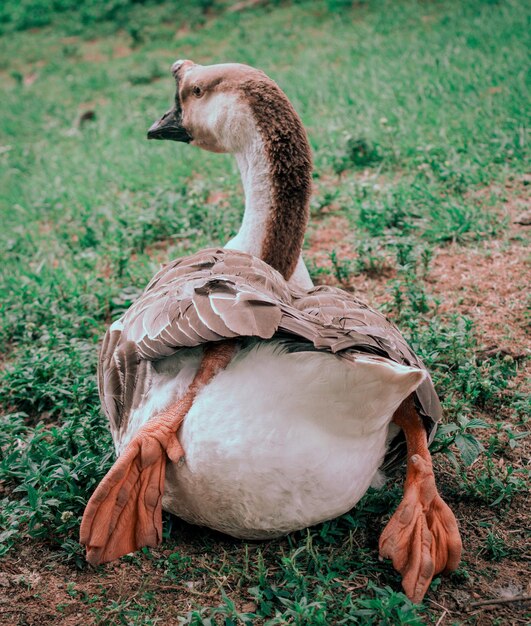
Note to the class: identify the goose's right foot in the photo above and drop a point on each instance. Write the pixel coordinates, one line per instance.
(422, 537)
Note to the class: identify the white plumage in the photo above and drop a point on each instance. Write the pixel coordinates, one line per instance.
(278, 440)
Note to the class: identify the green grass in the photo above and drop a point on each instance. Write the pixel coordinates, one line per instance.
(413, 110)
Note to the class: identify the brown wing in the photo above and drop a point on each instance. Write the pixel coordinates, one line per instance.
(220, 294)
(209, 296)
(347, 325)
(123, 377)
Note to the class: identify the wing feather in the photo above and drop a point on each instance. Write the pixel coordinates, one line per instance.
(221, 294)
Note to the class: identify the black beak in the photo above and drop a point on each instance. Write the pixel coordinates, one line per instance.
(170, 127)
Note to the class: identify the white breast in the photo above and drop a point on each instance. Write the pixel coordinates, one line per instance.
(278, 441)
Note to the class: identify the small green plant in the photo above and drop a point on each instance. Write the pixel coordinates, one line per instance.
(495, 547)
(462, 223)
(459, 433)
(339, 6)
(148, 74)
(494, 485)
(386, 607)
(342, 268)
(227, 611)
(136, 32)
(175, 565)
(505, 439)
(371, 259)
(319, 203)
(318, 273)
(357, 152)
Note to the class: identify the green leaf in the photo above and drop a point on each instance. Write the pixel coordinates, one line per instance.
(469, 447)
(446, 429)
(476, 423)
(33, 496)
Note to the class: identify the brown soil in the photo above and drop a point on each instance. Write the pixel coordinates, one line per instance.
(92, 53)
(490, 285)
(38, 590)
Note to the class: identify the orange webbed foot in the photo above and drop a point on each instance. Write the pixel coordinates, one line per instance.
(125, 512)
(422, 538)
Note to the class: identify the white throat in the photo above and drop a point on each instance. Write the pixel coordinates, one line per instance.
(254, 172)
(256, 180)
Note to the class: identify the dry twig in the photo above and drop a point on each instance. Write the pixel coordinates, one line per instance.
(473, 605)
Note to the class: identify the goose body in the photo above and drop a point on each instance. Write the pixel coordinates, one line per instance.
(240, 396)
(293, 431)
(311, 459)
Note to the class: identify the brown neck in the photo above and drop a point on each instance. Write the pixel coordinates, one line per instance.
(289, 160)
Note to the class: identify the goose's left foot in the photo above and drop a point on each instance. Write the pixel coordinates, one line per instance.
(422, 537)
(125, 512)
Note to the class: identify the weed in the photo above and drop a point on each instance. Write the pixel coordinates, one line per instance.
(175, 564)
(493, 485)
(318, 273)
(356, 152)
(386, 607)
(371, 259)
(459, 434)
(495, 548)
(320, 202)
(462, 223)
(380, 215)
(342, 268)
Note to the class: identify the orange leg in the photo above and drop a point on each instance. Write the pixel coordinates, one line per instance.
(422, 537)
(125, 512)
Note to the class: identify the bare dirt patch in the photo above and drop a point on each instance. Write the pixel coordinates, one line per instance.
(490, 282)
(327, 236)
(91, 52)
(490, 285)
(99, 51)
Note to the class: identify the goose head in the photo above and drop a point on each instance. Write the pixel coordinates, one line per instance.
(213, 106)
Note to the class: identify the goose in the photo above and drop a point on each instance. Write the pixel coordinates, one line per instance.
(240, 396)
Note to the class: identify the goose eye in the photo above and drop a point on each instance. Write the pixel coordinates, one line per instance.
(197, 91)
